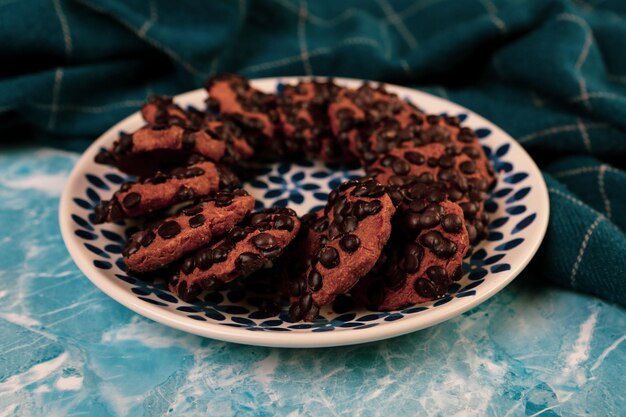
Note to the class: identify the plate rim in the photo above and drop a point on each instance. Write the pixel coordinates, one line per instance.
(295, 339)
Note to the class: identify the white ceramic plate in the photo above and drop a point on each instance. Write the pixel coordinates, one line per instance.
(519, 210)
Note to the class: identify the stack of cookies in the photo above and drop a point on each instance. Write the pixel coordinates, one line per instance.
(393, 238)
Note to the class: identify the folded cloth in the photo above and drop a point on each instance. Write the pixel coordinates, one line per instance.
(551, 72)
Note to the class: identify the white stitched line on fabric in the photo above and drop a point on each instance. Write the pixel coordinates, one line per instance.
(584, 134)
(304, 53)
(605, 198)
(67, 36)
(599, 94)
(397, 22)
(492, 11)
(606, 352)
(558, 129)
(56, 91)
(583, 170)
(416, 7)
(574, 200)
(150, 21)
(169, 52)
(583, 248)
(584, 52)
(384, 34)
(88, 109)
(357, 40)
(316, 20)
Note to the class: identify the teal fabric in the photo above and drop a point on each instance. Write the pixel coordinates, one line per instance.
(550, 72)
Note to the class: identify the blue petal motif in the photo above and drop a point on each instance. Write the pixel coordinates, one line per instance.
(277, 180)
(283, 202)
(310, 187)
(296, 197)
(83, 204)
(82, 222)
(515, 178)
(509, 245)
(93, 196)
(524, 223)
(500, 268)
(502, 150)
(516, 209)
(114, 178)
(483, 132)
(273, 193)
(519, 194)
(499, 222)
(102, 264)
(96, 182)
(297, 177)
(258, 184)
(321, 174)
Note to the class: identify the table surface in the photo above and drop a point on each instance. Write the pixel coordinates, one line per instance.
(69, 350)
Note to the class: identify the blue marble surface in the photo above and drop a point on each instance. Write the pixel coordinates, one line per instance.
(69, 350)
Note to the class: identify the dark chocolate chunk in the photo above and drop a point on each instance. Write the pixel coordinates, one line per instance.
(131, 200)
(329, 257)
(350, 243)
(315, 281)
(196, 221)
(169, 229)
(452, 223)
(249, 262)
(264, 241)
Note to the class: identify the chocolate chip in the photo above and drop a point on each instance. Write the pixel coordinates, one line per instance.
(468, 167)
(387, 161)
(429, 219)
(424, 288)
(369, 188)
(319, 225)
(350, 243)
(125, 144)
(471, 231)
(184, 193)
(131, 200)
(373, 207)
(196, 221)
(188, 140)
(220, 253)
(259, 218)
(203, 259)
(469, 209)
(348, 224)
(147, 238)
(306, 302)
(209, 283)
(411, 263)
(415, 158)
(431, 239)
(249, 262)
(237, 234)
(223, 199)
(437, 275)
(458, 273)
(169, 229)
(295, 312)
(192, 210)
(452, 223)
(400, 167)
(432, 162)
(193, 172)
(282, 222)
(329, 257)
(264, 241)
(315, 281)
(446, 161)
(436, 195)
(188, 266)
(412, 222)
(444, 249)
(471, 151)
